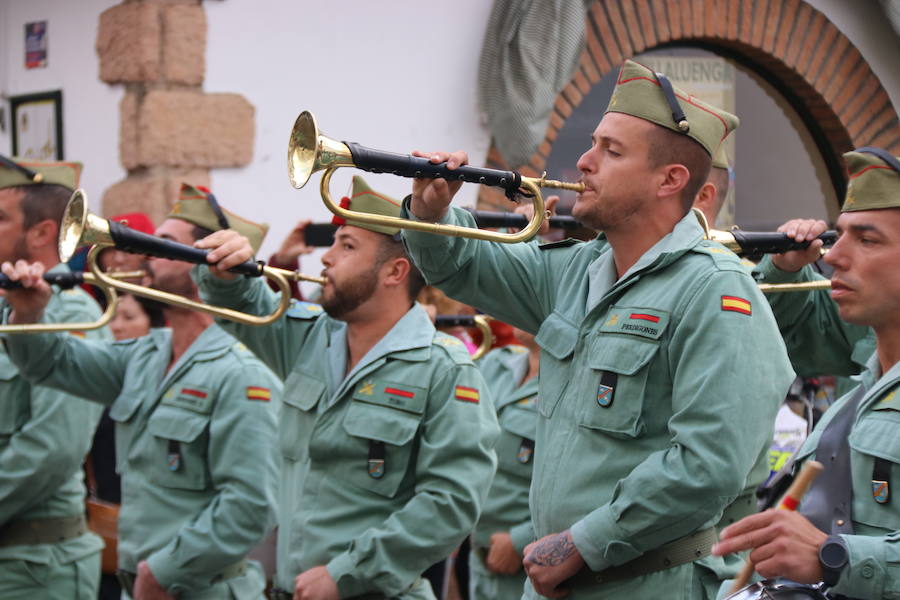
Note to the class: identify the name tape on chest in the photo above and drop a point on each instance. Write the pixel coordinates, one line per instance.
(643, 322)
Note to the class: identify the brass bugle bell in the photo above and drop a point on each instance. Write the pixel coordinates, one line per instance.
(310, 151)
(80, 227)
(482, 322)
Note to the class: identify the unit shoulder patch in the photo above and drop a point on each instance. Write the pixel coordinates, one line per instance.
(560, 244)
(303, 310)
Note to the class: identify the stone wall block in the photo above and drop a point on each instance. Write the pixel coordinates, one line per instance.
(128, 131)
(184, 44)
(128, 43)
(138, 193)
(188, 129)
(152, 192)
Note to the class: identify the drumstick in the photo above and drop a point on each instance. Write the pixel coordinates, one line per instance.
(790, 501)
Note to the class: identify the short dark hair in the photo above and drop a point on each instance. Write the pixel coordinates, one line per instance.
(42, 202)
(668, 147)
(393, 248)
(154, 311)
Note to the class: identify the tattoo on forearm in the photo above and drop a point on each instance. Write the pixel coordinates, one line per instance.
(552, 551)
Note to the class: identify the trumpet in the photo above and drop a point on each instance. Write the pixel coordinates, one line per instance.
(482, 322)
(310, 151)
(80, 227)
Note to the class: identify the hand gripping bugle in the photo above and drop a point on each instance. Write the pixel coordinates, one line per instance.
(791, 501)
(482, 322)
(310, 151)
(79, 228)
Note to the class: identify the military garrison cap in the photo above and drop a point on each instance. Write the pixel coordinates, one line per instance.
(874, 180)
(198, 206)
(15, 172)
(720, 158)
(650, 96)
(365, 199)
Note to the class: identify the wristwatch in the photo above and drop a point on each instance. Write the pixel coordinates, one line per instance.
(833, 556)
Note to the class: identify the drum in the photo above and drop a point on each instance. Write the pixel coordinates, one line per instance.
(773, 590)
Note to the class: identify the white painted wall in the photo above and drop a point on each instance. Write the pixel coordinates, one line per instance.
(396, 76)
(90, 107)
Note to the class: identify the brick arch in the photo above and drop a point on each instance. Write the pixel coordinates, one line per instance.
(788, 42)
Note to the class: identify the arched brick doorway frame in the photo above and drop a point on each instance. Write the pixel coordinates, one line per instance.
(787, 42)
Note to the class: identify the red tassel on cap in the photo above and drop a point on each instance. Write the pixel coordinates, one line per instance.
(345, 204)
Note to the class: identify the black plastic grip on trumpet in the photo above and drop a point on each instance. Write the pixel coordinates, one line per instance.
(405, 165)
(489, 218)
(137, 242)
(454, 321)
(755, 242)
(63, 280)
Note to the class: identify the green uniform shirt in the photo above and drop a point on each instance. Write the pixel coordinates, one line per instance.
(506, 507)
(415, 399)
(872, 572)
(44, 437)
(193, 444)
(658, 390)
(818, 341)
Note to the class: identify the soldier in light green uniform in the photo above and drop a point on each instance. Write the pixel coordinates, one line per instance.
(504, 529)
(46, 550)
(195, 428)
(387, 429)
(818, 341)
(847, 530)
(661, 365)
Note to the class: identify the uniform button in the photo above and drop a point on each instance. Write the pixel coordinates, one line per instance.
(868, 572)
(840, 522)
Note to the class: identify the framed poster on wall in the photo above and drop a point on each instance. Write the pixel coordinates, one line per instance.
(37, 131)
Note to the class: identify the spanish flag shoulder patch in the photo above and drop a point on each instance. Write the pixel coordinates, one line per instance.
(467, 394)
(263, 394)
(736, 304)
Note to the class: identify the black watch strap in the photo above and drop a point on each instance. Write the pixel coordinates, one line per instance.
(833, 556)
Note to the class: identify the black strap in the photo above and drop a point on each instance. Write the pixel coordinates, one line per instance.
(376, 459)
(220, 216)
(607, 390)
(829, 501)
(883, 155)
(11, 164)
(881, 480)
(677, 113)
(173, 457)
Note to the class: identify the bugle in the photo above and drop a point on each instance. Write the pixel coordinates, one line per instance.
(67, 281)
(482, 322)
(322, 234)
(748, 243)
(80, 227)
(310, 151)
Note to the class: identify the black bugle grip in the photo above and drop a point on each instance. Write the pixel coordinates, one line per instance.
(63, 280)
(405, 165)
(758, 242)
(488, 218)
(454, 321)
(137, 242)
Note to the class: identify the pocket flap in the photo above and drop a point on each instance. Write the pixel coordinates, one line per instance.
(557, 336)
(171, 423)
(620, 354)
(303, 391)
(380, 423)
(124, 407)
(877, 436)
(522, 423)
